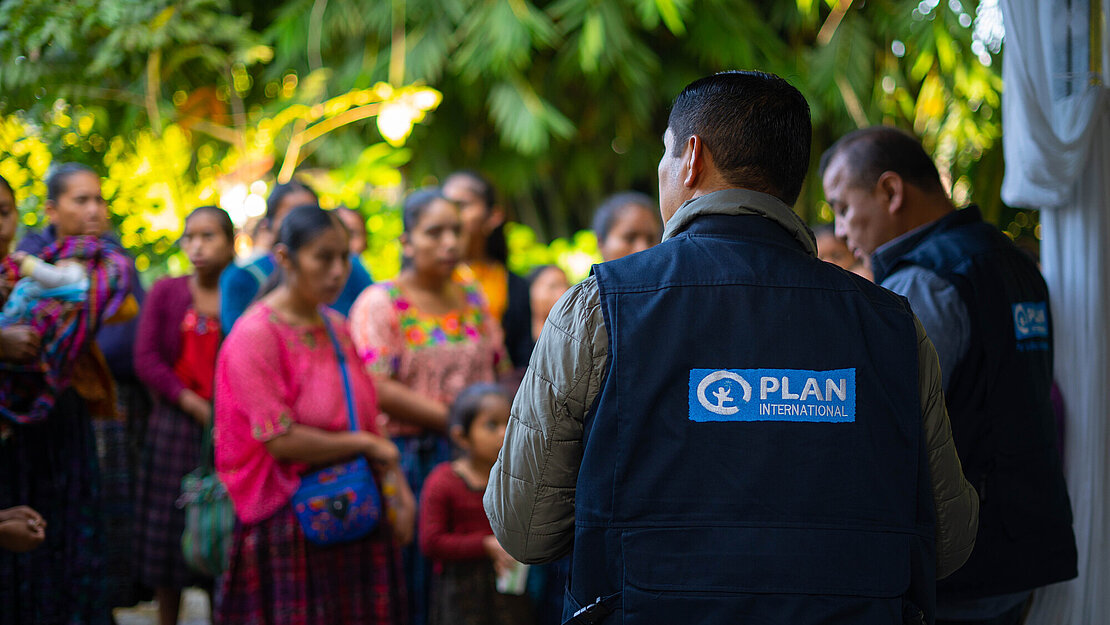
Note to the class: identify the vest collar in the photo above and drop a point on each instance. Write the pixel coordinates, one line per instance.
(742, 202)
(886, 257)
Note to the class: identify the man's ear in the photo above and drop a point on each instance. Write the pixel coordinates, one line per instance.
(49, 208)
(693, 161)
(893, 189)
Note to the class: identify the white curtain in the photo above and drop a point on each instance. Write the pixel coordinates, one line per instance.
(1056, 140)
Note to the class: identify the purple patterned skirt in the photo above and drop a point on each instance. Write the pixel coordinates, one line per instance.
(276, 577)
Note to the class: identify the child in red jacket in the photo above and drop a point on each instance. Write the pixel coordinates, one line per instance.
(454, 531)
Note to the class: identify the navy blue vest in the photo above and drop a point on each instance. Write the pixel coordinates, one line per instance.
(998, 402)
(755, 454)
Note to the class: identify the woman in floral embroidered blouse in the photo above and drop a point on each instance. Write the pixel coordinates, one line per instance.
(429, 333)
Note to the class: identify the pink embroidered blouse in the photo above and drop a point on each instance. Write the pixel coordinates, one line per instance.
(435, 355)
(270, 375)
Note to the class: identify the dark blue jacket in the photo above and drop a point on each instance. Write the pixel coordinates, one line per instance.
(755, 454)
(999, 403)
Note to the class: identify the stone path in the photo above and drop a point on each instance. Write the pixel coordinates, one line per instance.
(194, 611)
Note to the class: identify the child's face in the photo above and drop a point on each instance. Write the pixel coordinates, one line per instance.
(487, 431)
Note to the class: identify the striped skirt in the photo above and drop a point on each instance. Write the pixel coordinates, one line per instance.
(173, 446)
(276, 577)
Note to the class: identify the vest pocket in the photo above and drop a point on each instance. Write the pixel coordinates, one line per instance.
(570, 604)
(765, 575)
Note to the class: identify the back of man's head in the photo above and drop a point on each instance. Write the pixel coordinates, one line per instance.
(868, 152)
(755, 125)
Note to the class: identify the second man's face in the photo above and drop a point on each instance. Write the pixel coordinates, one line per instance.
(863, 217)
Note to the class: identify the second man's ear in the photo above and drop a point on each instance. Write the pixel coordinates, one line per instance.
(893, 188)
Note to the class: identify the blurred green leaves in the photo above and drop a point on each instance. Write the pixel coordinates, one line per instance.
(560, 102)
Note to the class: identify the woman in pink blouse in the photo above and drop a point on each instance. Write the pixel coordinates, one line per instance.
(429, 333)
(281, 410)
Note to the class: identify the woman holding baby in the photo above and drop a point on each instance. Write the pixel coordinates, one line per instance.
(52, 377)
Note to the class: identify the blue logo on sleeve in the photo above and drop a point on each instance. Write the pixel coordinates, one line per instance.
(773, 395)
(1030, 320)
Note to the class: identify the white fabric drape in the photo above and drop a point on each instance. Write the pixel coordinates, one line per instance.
(1057, 150)
(1048, 116)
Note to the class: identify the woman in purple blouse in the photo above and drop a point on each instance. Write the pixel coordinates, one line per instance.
(175, 356)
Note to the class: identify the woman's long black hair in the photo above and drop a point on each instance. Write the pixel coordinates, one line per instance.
(496, 246)
(303, 224)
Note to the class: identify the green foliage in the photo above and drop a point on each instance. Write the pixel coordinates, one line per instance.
(563, 102)
(560, 102)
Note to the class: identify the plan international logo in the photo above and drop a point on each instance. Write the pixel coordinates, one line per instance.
(1031, 326)
(773, 395)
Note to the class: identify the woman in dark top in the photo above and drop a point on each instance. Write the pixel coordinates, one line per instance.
(485, 257)
(175, 355)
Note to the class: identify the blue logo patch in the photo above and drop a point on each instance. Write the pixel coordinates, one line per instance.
(1030, 320)
(773, 395)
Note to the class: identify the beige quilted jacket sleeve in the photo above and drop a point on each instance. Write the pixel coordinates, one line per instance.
(530, 497)
(955, 499)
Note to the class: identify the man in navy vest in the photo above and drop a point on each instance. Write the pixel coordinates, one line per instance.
(985, 305)
(723, 428)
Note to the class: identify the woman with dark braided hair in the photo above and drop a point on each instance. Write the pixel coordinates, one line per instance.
(281, 410)
(485, 257)
(425, 336)
(75, 207)
(240, 283)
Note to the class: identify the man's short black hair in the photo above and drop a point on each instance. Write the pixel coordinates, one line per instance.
(754, 124)
(872, 151)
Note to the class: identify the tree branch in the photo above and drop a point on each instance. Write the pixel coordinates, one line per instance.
(397, 46)
(153, 87)
(292, 151)
(115, 95)
(239, 115)
(851, 102)
(216, 131)
(832, 22)
(347, 117)
(315, 33)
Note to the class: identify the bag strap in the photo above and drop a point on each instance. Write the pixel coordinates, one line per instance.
(207, 452)
(342, 372)
(207, 445)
